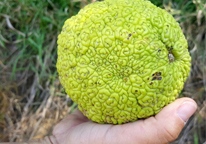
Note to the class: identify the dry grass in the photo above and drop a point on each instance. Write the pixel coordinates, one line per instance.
(32, 100)
(194, 28)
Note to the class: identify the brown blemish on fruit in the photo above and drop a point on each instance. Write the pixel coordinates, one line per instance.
(159, 78)
(159, 74)
(154, 78)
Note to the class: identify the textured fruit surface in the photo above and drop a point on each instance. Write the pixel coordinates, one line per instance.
(122, 60)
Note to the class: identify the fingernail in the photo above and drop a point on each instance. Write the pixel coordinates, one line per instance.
(186, 110)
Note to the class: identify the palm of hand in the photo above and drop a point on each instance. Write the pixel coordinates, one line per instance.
(162, 128)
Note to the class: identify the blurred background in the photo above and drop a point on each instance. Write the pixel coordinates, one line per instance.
(32, 100)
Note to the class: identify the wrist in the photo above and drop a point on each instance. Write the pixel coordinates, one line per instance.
(45, 140)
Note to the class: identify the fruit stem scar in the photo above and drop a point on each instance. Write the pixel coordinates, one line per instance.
(171, 57)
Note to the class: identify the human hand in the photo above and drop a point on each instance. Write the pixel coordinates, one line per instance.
(162, 128)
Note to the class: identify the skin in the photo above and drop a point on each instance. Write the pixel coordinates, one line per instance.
(161, 129)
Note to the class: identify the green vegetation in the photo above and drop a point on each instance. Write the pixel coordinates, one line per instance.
(30, 92)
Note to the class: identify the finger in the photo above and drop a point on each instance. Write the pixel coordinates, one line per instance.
(163, 128)
(77, 114)
(167, 125)
(172, 118)
(70, 121)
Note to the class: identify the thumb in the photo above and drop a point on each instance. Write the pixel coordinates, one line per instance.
(171, 120)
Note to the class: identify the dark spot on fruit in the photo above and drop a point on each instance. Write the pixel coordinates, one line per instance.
(151, 83)
(130, 35)
(136, 90)
(65, 48)
(154, 78)
(147, 78)
(140, 85)
(159, 78)
(159, 74)
(159, 50)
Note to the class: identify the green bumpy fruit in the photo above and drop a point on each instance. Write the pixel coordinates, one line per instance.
(122, 60)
